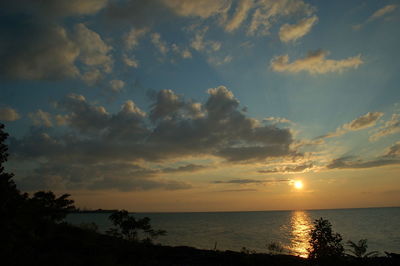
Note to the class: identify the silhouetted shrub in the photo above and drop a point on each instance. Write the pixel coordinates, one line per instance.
(128, 227)
(324, 243)
(275, 248)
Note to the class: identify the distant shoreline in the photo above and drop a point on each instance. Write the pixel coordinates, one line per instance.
(173, 212)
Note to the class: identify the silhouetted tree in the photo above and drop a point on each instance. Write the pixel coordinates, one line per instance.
(127, 227)
(324, 243)
(359, 249)
(47, 206)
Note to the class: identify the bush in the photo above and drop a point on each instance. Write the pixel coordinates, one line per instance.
(127, 227)
(324, 243)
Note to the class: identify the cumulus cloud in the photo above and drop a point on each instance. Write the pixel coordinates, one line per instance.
(51, 53)
(390, 127)
(314, 63)
(8, 114)
(94, 52)
(174, 129)
(41, 118)
(294, 32)
(365, 121)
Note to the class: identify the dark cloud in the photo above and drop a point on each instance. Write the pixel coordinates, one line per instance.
(391, 157)
(176, 128)
(185, 168)
(249, 181)
(288, 169)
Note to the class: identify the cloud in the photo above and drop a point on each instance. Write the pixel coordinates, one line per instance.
(175, 129)
(94, 52)
(365, 121)
(46, 9)
(376, 15)
(131, 39)
(382, 12)
(249, 181)
(182, 52)
(8, 114)
(393, 151)
(203, 9)
(159, 44)
(343, 163)
(314, 63)
(185, 168)
(199, 43)
(130, 61)
(50, 54)
(289, 169)
(240, 15)
(390, 127)
(217, 61)
(288, 32)
(390, 157)
(269, 11)
(116, 85)
(41, 118)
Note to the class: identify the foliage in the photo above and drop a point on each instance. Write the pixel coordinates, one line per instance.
(324, 243)
(128, 227)
(49, 207)
(359, 249)
(275, 248)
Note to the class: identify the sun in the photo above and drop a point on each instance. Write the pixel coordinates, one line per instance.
(298, 184)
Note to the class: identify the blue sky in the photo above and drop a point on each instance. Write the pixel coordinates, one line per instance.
(204, 102)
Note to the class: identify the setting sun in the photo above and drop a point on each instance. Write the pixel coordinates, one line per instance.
(298, 184)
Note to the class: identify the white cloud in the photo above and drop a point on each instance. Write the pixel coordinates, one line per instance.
(294, 32)
(314, 63)
(8, 114)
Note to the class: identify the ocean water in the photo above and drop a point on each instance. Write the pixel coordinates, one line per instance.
(255, 230)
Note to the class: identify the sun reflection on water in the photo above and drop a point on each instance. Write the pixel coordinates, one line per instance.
(301, 226)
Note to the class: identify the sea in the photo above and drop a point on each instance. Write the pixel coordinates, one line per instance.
(256, 230)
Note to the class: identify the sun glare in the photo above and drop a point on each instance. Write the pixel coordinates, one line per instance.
(298, 184)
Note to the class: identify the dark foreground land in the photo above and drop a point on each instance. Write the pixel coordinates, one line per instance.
(65, 244)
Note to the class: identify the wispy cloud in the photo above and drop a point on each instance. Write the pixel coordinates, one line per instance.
(288, 32)
(314, 63)
(377, 14)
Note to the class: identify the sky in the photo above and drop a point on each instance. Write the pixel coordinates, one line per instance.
(209, 105)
